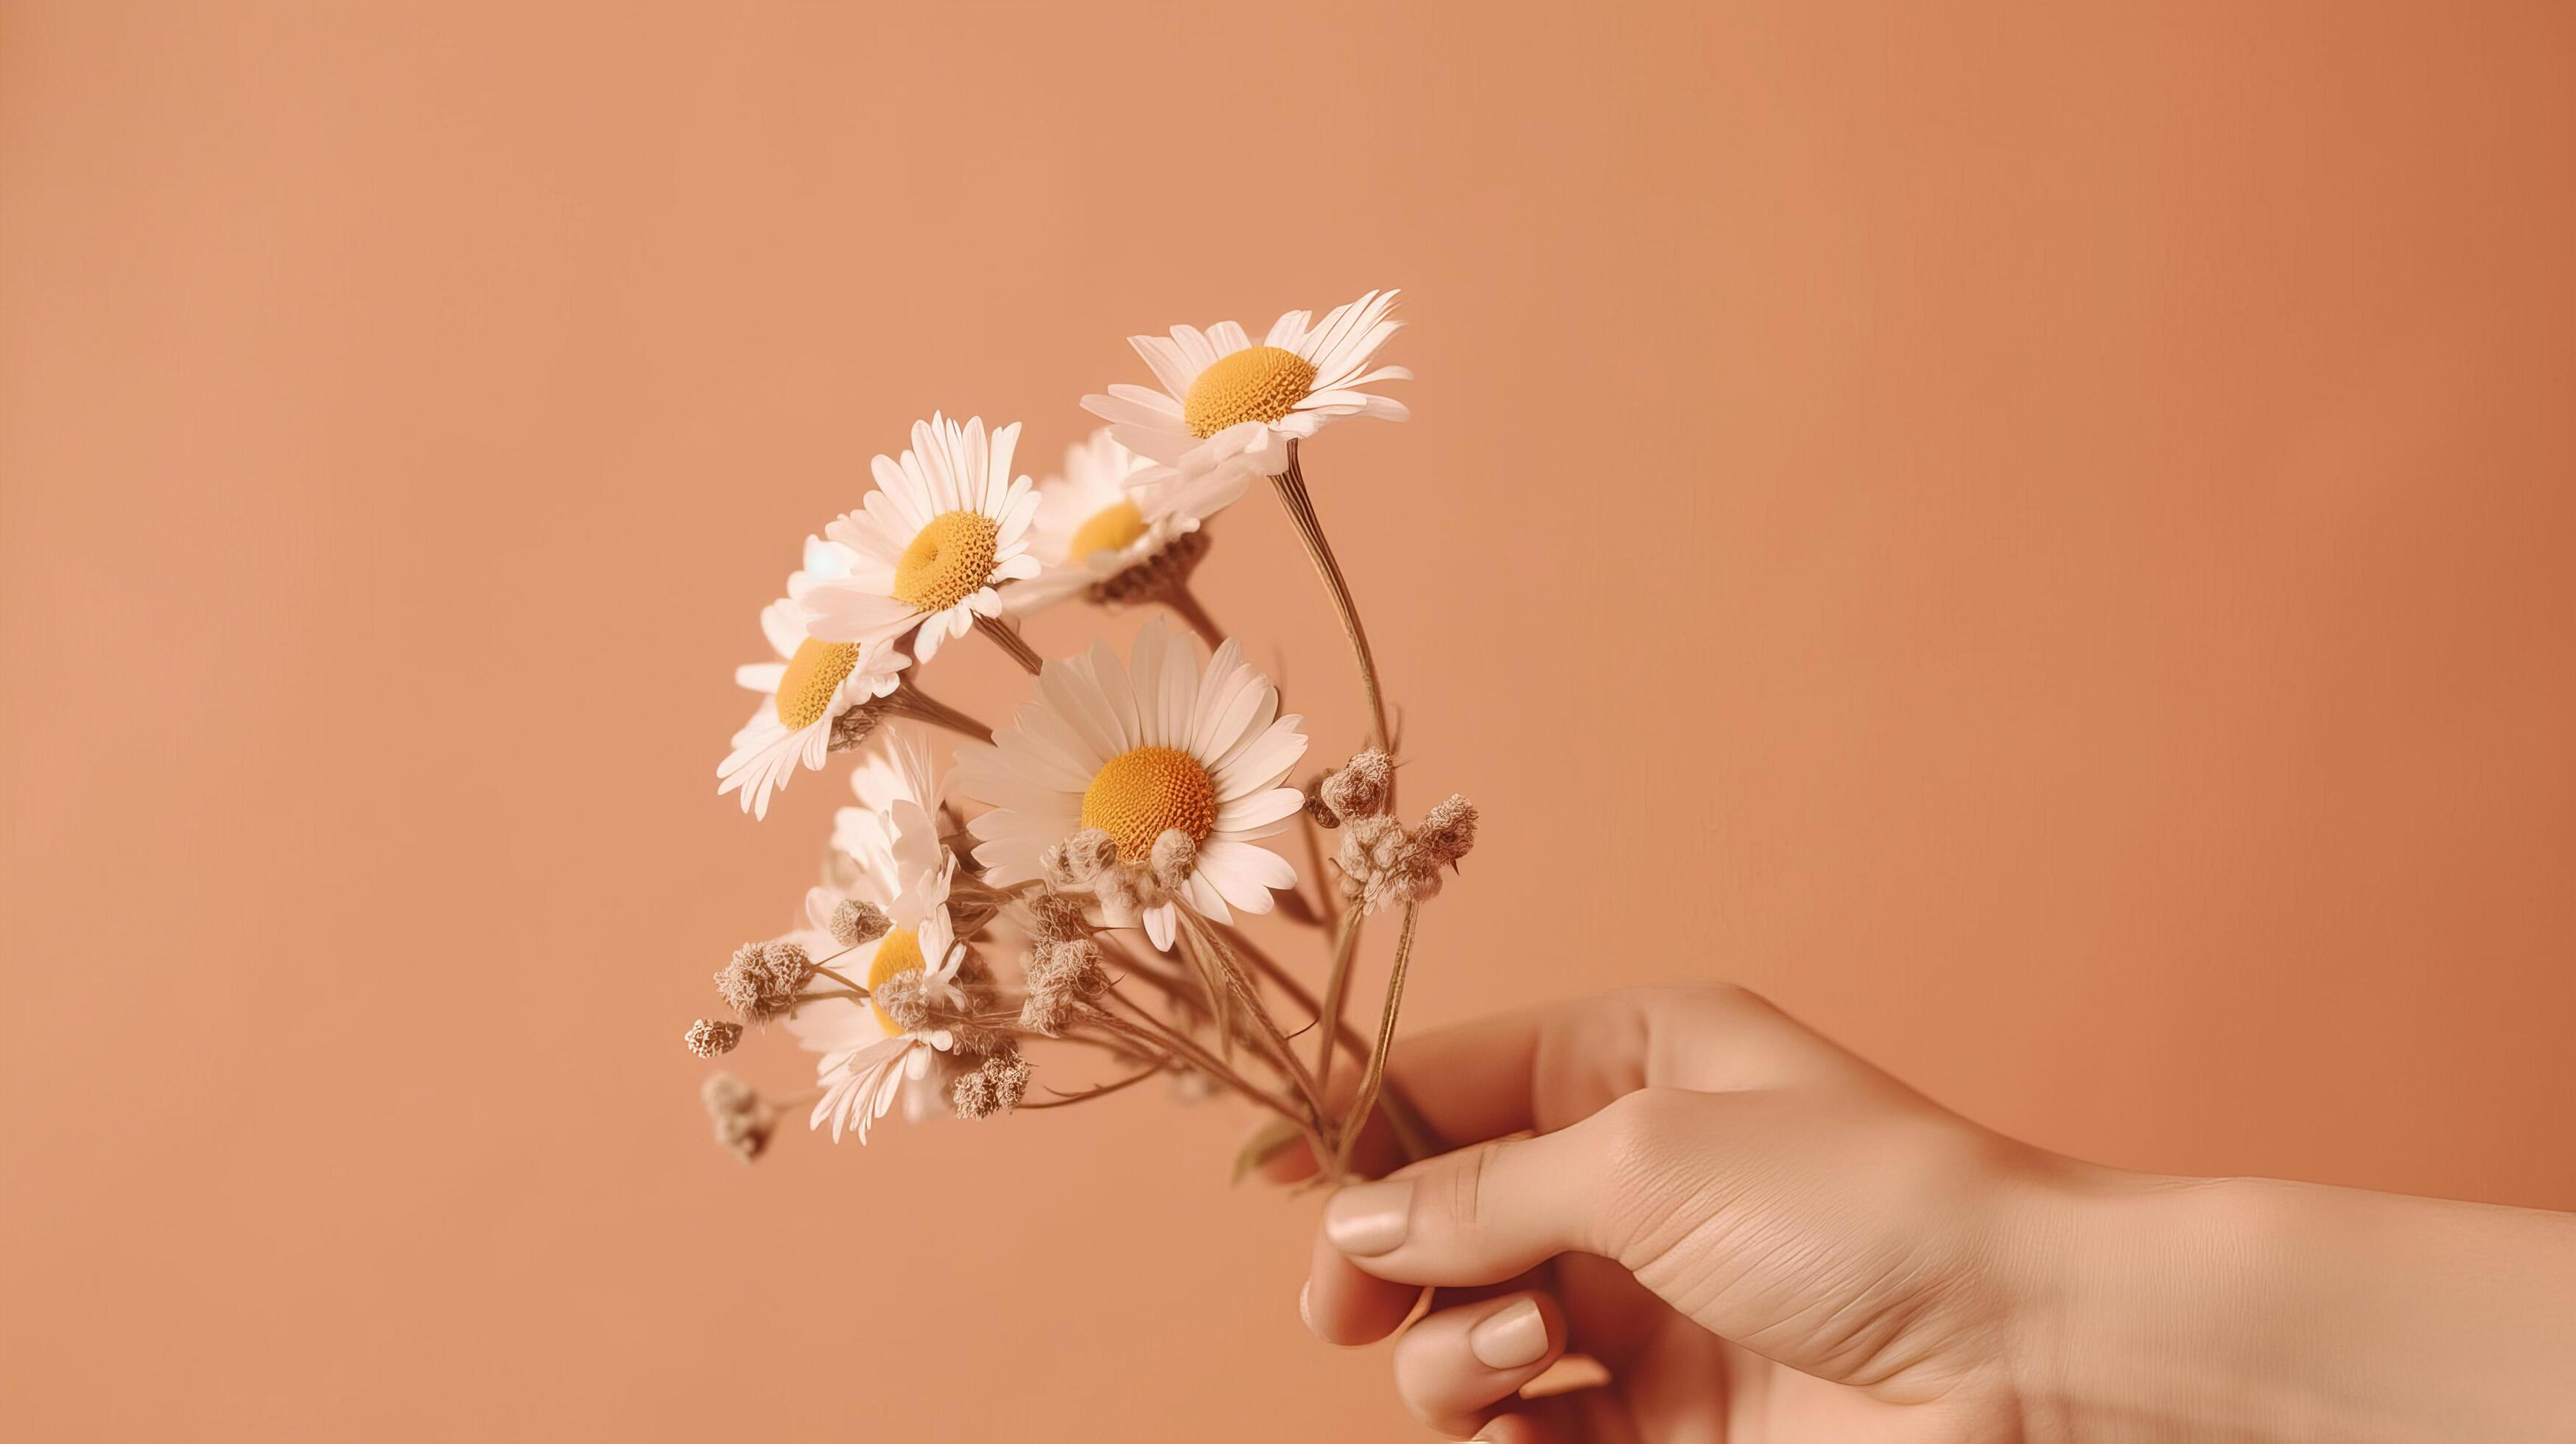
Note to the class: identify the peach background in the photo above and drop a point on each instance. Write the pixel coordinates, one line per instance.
(2056, 522)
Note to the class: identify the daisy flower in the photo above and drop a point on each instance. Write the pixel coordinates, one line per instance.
(1227, 402)
(867, 1057)
(1136, 752)
(945, 526)
(894, 831)
(1110, 512)
(812, 684)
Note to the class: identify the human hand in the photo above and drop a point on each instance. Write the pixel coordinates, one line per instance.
(1763, 1237)
(1758, 1234)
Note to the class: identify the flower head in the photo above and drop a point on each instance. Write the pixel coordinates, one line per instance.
(913, 968)
(809, 694)
(1134, 752)
(945, 526)
(1227, 404)
(1111, 516)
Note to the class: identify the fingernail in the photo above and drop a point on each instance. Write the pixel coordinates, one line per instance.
(1512, 1338)
(1303, 1315)
(1369, 1219)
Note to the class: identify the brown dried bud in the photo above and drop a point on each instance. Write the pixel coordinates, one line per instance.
(1175, 857)
(1009, 1073)
(1360, 788)
(742, 1125)
(1049, 1014)
(1448, 832)
(855, 922)
(763, 979)
(1053, 917)
(900, 998)
(1319, 811)
(972, 1095)
(1079, 859)
(709, 1039)
(1121, 891)
(851, 729)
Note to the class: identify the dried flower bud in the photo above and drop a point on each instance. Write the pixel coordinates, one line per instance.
(709, 1039)
(1360, 788)
(973, 1095)
(1053, 917)
(1121, 891)
(1009, 1073)
(742, 1125)
(1319, 811)
(851, 729)
(1448, 832)
(1049, 1014)
(1079, 859)
(763, 979)
(900, 998)
(1175, 857)
(1369, 845)
(855, 922)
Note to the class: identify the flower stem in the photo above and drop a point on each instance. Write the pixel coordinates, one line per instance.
(1185, 604)
(1291, 485)
(1413, 1134)
(909, 700)
(1375, 1076)
(841, 979)
(1337, 986)
(1067, 1100)
(1008, 638)
(1284, 1058)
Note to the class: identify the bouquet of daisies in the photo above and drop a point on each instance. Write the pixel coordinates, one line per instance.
(1072, 881)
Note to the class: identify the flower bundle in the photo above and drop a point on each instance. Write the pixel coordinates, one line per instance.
(1074, 880)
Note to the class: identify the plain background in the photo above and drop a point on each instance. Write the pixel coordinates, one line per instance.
(2037, 535)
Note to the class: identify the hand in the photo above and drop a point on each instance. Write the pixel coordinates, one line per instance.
(1762, 1237)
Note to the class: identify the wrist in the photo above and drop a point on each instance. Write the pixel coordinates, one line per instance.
(2155, 1309)
(2246, 1308)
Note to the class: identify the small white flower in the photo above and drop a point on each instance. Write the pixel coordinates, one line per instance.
(1226, 402)
(944, 527)
(894, 831)
(866, 1057)
(1109, 511)
(1136, 753)
(814, 684)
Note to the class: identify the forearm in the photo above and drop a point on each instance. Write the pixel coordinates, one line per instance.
(2254, 1309)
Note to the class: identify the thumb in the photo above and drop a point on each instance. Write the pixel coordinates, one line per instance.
(1494, 1212)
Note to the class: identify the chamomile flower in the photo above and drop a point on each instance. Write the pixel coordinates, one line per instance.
(1138, 751)
(806, 691)
(867, 1054)
(894, 831)
(1110, 514)
(944, 527)
(1226, 402)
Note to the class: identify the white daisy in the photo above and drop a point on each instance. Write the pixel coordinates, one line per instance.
(945, 526)
(894, 831)
(1110, 511)
(866, 1057)
(814, 684)
(1135, 752)
(1227, 402)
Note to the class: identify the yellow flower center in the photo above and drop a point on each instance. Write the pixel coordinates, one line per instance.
(899, 951)
(813, 675)
(1140, 793)
(1110, 529)
(1257, 383)
(949, 561)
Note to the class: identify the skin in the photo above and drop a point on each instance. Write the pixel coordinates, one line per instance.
(1762, 1237)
